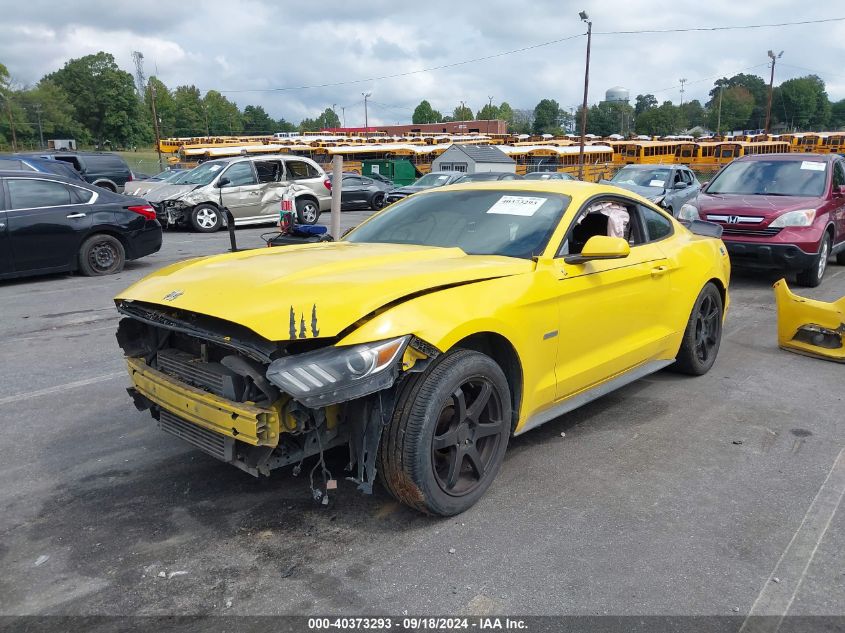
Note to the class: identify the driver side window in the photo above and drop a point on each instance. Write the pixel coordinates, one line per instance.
(239, 174)
(613, 217)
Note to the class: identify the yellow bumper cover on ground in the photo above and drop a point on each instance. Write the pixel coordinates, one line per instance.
(810, 327)
(242, 421)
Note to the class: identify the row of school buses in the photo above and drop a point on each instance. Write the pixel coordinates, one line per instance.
(602, 155)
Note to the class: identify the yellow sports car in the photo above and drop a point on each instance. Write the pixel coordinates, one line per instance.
(428, 336)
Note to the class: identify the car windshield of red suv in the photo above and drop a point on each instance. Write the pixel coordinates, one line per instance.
(772, 178)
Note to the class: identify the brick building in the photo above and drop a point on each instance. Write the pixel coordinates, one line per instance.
(493, 126)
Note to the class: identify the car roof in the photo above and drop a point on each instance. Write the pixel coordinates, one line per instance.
(576, 189)
(791, 156)
(655, 166)
(42, 175)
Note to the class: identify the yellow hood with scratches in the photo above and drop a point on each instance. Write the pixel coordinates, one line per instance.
(314, 290)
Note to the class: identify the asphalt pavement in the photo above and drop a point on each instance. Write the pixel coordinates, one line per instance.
(676, 495)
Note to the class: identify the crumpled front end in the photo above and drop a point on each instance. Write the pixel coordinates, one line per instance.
(810, 327)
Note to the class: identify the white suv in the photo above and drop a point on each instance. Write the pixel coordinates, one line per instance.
(249, 186)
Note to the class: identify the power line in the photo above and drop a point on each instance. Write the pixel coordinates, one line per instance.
(720, 28)
(412, 72)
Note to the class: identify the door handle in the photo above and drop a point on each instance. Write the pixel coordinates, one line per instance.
(73, 216)
(657, 271)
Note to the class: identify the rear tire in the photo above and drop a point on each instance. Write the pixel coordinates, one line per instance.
(812, 276)
(447, 439)
(101, 254)
(307, 211)
(205, 218)
(703, 334)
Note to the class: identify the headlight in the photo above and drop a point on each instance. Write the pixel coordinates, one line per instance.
(688, 212)
(337, 374)
(802, 217)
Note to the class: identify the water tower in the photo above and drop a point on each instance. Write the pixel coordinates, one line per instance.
(617, 93)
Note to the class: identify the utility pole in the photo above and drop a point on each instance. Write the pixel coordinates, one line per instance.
(366, 96)
(205, 112)
(585, 18)
(683, 81)
(719, 116)
(343, 110)
(40, 130)
(155, 123)
(489, 110)
(774, 58)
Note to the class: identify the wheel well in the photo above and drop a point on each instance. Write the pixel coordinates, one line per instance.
(832, 232)
(500, 350)
(311, 197)
(721, 288)
(106, 184)
(120, 238)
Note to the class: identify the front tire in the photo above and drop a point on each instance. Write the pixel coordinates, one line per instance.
(703, 334)
(812, 276)
(447, 439)
(101, 255)
(307, 211)
(205, 218)
(377, 202)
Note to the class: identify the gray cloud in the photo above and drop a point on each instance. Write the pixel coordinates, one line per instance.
(234, 46)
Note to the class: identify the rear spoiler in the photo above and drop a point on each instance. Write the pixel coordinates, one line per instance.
(701, 227)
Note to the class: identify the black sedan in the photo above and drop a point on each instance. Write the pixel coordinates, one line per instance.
(51, 224)
(363, 192)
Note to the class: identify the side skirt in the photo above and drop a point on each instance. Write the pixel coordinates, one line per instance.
(588, 395)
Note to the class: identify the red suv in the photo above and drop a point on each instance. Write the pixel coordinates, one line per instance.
(778, 211)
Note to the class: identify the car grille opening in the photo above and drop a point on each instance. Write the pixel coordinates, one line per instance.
(212, 377)
(749, 232)
(214, 444)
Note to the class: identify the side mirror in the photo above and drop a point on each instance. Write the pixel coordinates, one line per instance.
(680, 185)
(839, 191)
(222, 182)
(601, 247)
(705, 183)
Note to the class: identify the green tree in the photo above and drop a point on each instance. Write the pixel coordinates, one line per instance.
(257, 121)
(462, 113)
(693, 114)
(223, 116)
(165, 107)
(759, 90)
(49, 102)
(737, 104)
(189, 115)
(104, 99)
(284, 126)
(308, 125)
(12, 115)
(610, 117)
(523, 121)
(643, 103)
(837, 118)
(661, 121)
(328, 119)
(805, 101)
(488, 112)
(506, 112)
(547, 117)
(424, 113)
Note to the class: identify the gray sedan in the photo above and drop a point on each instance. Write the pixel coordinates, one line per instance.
(363, 191)
(670, 186)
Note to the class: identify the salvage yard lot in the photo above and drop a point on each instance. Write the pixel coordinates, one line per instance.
(675, 495)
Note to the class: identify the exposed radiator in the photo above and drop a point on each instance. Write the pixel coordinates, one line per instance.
(214, 444)
(212, 377)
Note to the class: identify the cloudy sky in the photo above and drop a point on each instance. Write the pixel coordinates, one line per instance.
(247, 48)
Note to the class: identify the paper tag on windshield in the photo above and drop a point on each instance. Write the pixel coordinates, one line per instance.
(812, 165)
(215, 167)
(517, 205)
(655, 183)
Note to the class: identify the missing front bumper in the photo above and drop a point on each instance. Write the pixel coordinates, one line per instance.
(810, 327)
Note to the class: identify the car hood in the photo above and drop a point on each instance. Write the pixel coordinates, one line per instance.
(167, 191)
(765, 206)
(409, 189)
(645, 192)
(314, 290)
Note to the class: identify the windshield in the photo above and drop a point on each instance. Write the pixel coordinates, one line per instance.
(432, 180)
(772, 178)
(479, 222)
(203, 174)
(539, 175)
(641, 177)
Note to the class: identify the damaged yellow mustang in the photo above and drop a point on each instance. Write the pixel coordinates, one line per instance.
(428, 336)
